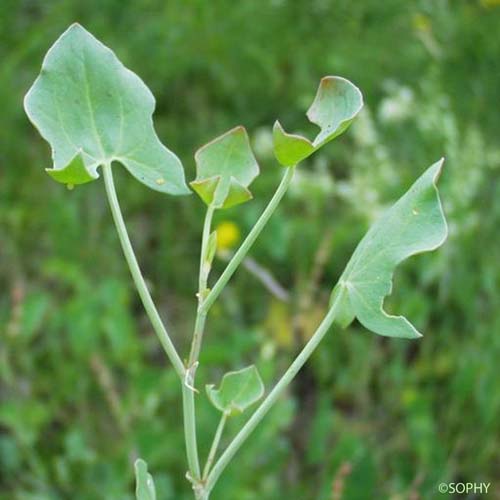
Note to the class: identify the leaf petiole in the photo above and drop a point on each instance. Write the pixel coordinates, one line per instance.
(205, 266)
(272, 397)
(215, 445)
(249, 240)
(137, 276)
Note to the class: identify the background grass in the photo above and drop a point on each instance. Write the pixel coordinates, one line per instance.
(84, 385)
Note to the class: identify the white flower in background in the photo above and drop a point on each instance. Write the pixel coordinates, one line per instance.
(263, 142)
(397, 106)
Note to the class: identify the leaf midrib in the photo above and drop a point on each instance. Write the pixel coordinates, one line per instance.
(89, 104)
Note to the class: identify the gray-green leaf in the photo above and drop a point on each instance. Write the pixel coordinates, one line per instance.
(414, 224)
(225, 167)
(238, 390)
(145, 486)
(86, 104)
(336, 104)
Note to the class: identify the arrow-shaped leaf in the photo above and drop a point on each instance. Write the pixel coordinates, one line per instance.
(145, 486)
(238, 390)
(336, 104)
(87, 105)
(414, 224)
(225, 167)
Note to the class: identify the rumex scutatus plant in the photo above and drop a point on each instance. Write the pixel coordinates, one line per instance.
(96, 114)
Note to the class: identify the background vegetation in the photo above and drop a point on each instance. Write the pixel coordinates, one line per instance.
(84, 385)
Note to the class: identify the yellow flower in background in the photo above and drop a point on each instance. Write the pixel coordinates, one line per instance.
(228, 236)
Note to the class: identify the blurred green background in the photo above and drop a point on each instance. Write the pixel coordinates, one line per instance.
(85, 387)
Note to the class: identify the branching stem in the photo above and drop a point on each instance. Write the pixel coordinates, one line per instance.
(249, 241)
(188, 388)
(154, 317)
(205, 301)
(272, 397)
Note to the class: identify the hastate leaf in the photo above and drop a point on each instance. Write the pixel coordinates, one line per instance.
(225, 167)
(92, 111)
(335, 106)
(414, 224)
(238, 390)
(145, 487)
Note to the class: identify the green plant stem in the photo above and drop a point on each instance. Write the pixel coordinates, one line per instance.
(137, 277)
(204, 304)
(189, 415)
(201, 494)
(215, 446)
(205, 266)
(272, 397)
(189, 407)
(249, 241)
(187, 392)
(188, 389)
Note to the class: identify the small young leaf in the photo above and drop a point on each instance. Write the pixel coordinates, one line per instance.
(86, 104)
(145, 486)
(414, 224)
(336, 104)
(225, 167)
(238, 390)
